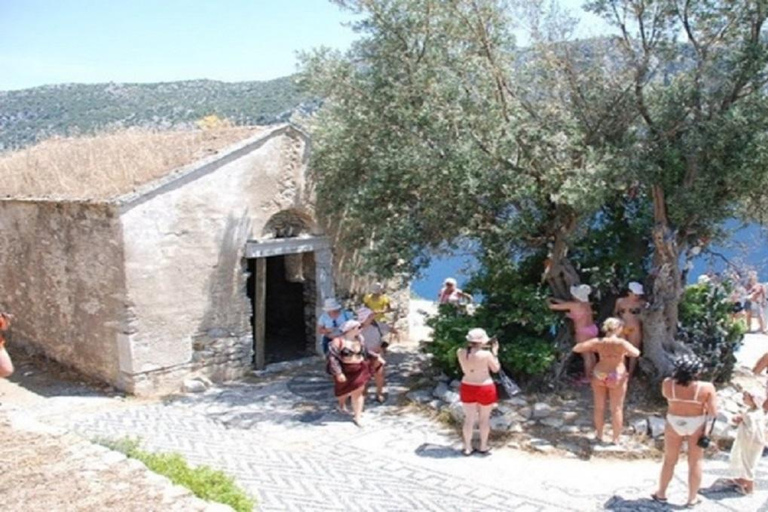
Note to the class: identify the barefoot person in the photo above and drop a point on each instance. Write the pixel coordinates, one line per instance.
(691, 402)
(351, 366)
(373, 333)
(609, 377)
(477, 391)
(750, 440)
(6, 365)
(628, 309)
(580, 311)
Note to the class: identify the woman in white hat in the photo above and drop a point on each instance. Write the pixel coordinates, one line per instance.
(351, 366)
(628, 309)
(579, 311)
(330, 322)
(373, 333)
(478, 391)
(450, 294)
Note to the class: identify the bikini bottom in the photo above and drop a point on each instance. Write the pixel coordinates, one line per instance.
(609, 378)
(685, 425)
(590, 331)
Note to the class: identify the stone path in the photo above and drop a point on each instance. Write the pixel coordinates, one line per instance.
(283, 442)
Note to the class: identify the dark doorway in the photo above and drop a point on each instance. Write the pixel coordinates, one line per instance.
(285, 334)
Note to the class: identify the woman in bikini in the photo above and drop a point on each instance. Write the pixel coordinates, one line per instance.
(691, 402)
(477, 391)
(580, 311)
(351, 366)
(609, 377)
(628, 309)
(6, 365)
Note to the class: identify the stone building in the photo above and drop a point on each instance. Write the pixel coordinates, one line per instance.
(212, 269)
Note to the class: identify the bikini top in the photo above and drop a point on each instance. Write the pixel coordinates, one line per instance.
(577, 315)
(348, 352)
(673, 398)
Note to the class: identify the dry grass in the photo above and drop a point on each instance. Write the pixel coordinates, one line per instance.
(107, 165)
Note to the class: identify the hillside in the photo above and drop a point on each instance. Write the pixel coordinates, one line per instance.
(31, 115)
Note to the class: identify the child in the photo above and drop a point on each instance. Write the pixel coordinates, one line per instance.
(750, 439)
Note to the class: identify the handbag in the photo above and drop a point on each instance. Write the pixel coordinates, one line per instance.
(510, 387)
(705, 440)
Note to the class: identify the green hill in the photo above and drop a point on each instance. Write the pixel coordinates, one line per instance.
(30, 115)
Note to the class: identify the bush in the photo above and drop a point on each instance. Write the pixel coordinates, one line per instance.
(706, 328)
(205, 482)
(514, 309)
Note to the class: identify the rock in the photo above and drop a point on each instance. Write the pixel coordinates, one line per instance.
(525, 412)
(500, 424)
(656, 426)
(571, 403)
(455, 384)
(541, 410)
(440, 390)
(435, 404)
(443, 378)
(640, 426)
(552, 422)
(515, 428)
(514, 445)
(457, 412)
(569, 416)
(193, 386)
(420, 396)
(541, 445)
(113, 457)
(570, 429)
(571, 447)
(205, 380)
(450, 397)
(723, 430)
(516, 401)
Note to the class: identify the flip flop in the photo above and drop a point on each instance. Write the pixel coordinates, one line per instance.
(657, 499)
(483, 453)
(467, 453)
(693, 504)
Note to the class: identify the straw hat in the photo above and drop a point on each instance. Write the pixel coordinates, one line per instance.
(363, 314)
(477, 336)
(581, 292)
(331, 305)
(636, 288)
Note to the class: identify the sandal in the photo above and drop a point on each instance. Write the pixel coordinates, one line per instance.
(693, 504)
(467, 453)
(484, 453)
(657, 499)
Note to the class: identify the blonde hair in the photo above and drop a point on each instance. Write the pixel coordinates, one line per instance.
(612, 325)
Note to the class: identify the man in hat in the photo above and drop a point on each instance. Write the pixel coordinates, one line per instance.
(330, 322)
(378, 302)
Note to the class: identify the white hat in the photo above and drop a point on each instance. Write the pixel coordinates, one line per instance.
(377, 287)
(703, 279)
(331, 305)
(349, 325)
(363, 314)
(758, 395)
(477, 336)
(451, 281)
(581, 292)
(636, 288)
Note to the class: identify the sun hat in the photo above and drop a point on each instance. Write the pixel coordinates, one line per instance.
(477, 336)
(363, 314)
(349, 325)
(377, 287)
(636, 288)
(331, 305)
(757, 394)
(703, 279)
(450, 281)
(581, 292)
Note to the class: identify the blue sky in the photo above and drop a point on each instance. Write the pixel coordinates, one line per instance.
(88, 41)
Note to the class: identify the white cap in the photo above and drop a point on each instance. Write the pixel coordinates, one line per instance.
(331, 305)
(581, 292)
(450, 281)
(636, 288)
(477, 336)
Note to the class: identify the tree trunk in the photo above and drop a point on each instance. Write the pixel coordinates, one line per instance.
(660, 319)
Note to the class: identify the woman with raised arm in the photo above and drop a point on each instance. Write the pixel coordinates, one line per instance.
(580, 311)
(609, 377)
(478, 391)
(628, 309)
(691, 403)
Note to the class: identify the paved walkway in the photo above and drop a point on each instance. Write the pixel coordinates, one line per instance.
(282, 440)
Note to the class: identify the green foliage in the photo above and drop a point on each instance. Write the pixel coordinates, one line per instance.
(30, 115)
(206, 483)
(513, 309)
(708, 330)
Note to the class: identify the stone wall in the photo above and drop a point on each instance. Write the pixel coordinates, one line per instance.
(186, 270)
(61, 275)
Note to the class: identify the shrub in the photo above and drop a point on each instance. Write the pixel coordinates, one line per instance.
(205, 482)
(706, 328)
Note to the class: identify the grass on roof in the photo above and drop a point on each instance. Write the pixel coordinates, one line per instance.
(110, 164)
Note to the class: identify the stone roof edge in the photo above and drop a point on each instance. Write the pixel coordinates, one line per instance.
(191, 172)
